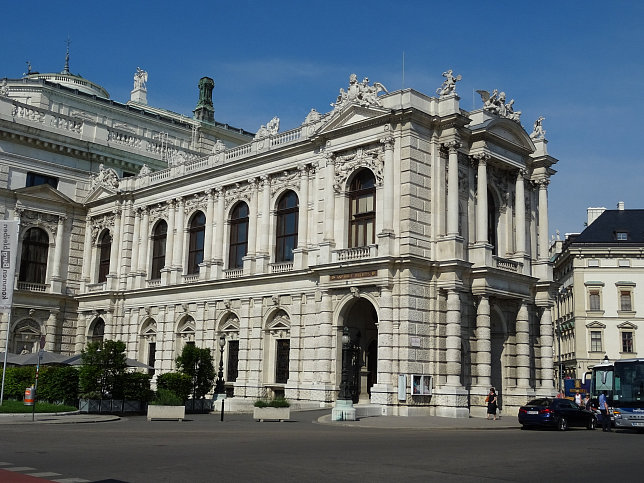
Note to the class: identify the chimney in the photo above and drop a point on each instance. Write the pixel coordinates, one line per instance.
(620, 206)
(593, 214)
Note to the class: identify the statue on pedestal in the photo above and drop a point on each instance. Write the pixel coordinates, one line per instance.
(449, 84)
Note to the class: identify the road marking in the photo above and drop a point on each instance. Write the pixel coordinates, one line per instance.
(44, 474)
(71, 480)
(3, 463)
(20, 469)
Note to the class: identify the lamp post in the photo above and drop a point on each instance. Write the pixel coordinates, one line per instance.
(219, 385)
(343, 409)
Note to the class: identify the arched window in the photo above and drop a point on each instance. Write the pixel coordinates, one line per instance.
(238, 235)
(159, 238)
(33, 260)
(491, 222)
(362, 209)
(196, 242)
(104, 250)
(287, 216)
(97, 331)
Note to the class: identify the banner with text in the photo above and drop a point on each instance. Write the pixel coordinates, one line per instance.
(8, 260)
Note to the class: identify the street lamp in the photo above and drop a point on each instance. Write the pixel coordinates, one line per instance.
(219, 386)
(345, 392)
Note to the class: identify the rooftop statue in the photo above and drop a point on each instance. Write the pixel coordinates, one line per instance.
(449, 84)
(270, 129)
(495, 103)
(140, 78)
(360, 93)
(4, 89)
(105, 177)
(538, 132)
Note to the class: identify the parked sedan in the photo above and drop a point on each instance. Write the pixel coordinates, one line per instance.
(559, 413)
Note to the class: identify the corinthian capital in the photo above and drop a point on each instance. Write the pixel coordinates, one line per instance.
(387, 142)
(481, 158)
(451, 146)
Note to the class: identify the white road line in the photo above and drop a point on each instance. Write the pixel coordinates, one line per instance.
(19, 468)
(44, 474)
(71, 480)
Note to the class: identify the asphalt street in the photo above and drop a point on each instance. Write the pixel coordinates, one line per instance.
(204, 449)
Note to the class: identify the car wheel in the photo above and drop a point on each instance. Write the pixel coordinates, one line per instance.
(562, 424)
(525, 426)
(592, 424)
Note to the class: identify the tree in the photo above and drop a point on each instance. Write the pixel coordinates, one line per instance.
(198, 364)
(102, 373)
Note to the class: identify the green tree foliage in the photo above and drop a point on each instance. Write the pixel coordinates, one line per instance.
(102, 373)
(198, 364)
(55, 384)
(175, 382)
(136, 386)
(17, 379)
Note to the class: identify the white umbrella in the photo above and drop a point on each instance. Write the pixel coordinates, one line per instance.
(31, 358)
(77, 360)
(10, 358)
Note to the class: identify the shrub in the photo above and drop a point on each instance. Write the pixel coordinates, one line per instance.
(198, 364)
(177, 383)
(17, 379)
(165, 397)
(103, 369)
(136, 386)
(279, 402)
(58, 384)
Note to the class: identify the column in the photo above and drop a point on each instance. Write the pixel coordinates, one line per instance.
(179, 236)
(266, 215)
(58, 249)
(50, 330)
(385, 338)
(481, 199)
(219, 229)
(81, 327)
(329, 199)
(388, 206)
(252, 222)
(547, 373)
(114, 251)
(87, 249)
(483, 343)
(453, 342)
(543, 219)
(520, 213)
(169, 245)
(323, 344)
(135, 244)
(122, 264)
(209, 231)
(523, 346)
(303, 219)
(142, 267)
(452, 189)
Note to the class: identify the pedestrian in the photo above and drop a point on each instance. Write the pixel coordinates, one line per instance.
(491, 401)
(560, 394)
(578, 399)
(603, 408)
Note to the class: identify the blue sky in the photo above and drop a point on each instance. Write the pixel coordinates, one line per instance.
(578, 63)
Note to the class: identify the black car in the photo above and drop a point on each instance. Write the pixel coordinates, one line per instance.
(559, 413)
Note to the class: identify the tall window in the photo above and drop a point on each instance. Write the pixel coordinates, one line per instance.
(362, 209)
(233, 361)
(98, 331)
(594, 300)
(159, 239)
(491, 222)
(596, 341)
(104, 250)
(33, 260)
(281, 360)
(196, 244)
(238, 235)
(625, 300)
(627, 341)
(287, 216)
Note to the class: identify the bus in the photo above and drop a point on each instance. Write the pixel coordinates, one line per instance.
(623, 381)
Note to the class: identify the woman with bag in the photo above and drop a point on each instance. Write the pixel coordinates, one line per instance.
(491, 403)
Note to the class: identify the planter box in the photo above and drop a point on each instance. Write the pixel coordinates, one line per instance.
(166, 412)
(271, 414)
(110, 406)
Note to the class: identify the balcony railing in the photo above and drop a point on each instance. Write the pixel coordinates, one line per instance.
(33, 287)
(96, 287)
(357, 253)
(154, 283)
(234, 273)
(507, 264)
(191, 278)
(281, 267)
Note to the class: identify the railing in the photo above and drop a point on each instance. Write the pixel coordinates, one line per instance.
(238, 151)
(124, 139)
(96, 287)
(287, 137)
(234, 273)
(281, 267)
(192, 278)
(160, 175)
(154, 283)
(197, 165)
(357, 253)
(33, 287)
(507, 264)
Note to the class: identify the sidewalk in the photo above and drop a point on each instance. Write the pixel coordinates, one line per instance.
(55, 418)
(425, 422)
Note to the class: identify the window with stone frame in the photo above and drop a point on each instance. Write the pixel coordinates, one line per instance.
(97, 331)
(33, 259)
(104, 251)
(287, 228)
(238, 235)
(282, 360)
(596, 341)
(362, 209)
(196, 242)
(625, 303)
(159, 240)
(627, 341)
(232, 364)
(594, 300)
(36, 179)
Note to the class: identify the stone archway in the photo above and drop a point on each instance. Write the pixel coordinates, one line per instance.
(362, 320)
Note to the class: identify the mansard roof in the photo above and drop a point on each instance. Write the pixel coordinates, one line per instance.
(603, 231)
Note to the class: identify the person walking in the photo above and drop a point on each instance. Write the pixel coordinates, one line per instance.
(491, 401)
(603, 408)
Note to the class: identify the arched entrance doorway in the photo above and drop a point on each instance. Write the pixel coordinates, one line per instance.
(498, 336)
(361, 319)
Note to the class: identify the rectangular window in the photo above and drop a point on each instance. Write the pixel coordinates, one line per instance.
(622, 236)
(35, 179)
(627, 341)
(233, 359)
(594, 300)
(282, 359)
(595, 341)
(625, 301)
(152, 356)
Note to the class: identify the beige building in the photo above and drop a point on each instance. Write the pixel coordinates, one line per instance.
(599, 304)
(418, 225)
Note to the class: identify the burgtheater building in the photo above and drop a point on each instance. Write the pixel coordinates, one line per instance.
(418, 225)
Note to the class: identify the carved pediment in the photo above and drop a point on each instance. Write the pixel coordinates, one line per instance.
(98, 193)
(595, 325)
(512, 132)
(352, 114)
(42, 193)
(627, 326)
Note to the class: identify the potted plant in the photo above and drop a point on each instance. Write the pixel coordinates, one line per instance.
(276, 409)
(166, 405)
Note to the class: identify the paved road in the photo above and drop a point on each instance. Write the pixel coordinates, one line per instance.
(240, 449)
